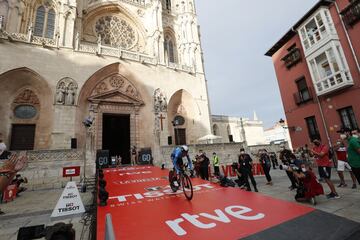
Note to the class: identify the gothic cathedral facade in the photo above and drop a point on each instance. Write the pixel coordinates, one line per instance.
(133, 67)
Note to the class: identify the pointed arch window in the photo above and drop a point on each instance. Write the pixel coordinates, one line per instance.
(170, 50)
(44, 22)
(216, 130)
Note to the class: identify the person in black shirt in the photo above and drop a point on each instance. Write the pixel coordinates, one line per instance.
(204, 165)
(266, 165)
(286, 157)
(245, 165)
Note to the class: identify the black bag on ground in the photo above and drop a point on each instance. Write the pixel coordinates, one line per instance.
(226, 182)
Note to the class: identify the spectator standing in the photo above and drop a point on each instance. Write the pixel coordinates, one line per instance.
(216, 164)
(285, 157)
(266, 165)
(204, 165)
(353, 151)
(133, 153)
(274, 160)
(245, 166)
(342, 164)
(321, 153)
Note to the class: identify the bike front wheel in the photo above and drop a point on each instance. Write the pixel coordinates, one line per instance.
(187, 187)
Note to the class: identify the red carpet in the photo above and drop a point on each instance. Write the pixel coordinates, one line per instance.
(143, 206)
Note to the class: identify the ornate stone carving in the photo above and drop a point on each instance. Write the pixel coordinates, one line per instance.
(66, 91)
(115, 31)
(27, 96)
(100, 88)
(116, 83)
(160, 101)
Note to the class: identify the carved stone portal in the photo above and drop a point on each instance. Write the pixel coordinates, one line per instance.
(116, 83)
(66, 91)
(27, 96)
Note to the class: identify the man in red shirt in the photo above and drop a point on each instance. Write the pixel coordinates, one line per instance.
(321, 153)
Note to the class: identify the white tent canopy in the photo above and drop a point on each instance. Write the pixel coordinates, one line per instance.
(209, 138)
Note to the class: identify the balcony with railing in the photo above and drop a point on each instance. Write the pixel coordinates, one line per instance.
(92, 48)
(292, 58)
(351, 14)
(138, 3)
(334, 82)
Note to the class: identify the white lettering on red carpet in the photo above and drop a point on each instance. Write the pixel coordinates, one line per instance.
(201, 220)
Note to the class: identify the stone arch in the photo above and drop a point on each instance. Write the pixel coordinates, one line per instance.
(182, 103)
(111, 89)
(98, 10)
(23, 86)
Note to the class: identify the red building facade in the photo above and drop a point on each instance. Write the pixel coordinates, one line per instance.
(317, 67)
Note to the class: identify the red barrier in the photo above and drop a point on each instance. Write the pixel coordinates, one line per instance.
(9, 193)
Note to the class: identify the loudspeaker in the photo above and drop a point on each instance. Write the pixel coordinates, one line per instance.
(169, 140)
(231, 138)
(73, 143)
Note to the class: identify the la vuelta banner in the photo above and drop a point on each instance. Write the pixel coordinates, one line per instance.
(142, 206)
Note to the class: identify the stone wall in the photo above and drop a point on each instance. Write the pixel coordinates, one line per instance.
(227, 152)
(44, 168)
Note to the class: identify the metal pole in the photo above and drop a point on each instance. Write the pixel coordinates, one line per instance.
(109, 229)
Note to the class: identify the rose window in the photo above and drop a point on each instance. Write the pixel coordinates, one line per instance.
(115, 32)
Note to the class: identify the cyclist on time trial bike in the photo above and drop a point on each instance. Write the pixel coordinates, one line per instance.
(177, 155)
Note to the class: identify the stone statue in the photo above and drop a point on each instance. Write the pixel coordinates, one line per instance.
(60, 94)
(160, 101)
(70, 95)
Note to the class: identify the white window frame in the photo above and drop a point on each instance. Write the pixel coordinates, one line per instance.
(329, 33)
(330, 83)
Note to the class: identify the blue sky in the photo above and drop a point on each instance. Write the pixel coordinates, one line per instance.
(235, 35)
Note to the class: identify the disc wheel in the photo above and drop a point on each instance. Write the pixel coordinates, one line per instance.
(172, 179)
(187, 187)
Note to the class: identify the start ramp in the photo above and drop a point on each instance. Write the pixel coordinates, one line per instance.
(142, 206)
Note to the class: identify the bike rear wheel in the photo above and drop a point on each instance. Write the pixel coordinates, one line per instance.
(172, 179)
(187, 187)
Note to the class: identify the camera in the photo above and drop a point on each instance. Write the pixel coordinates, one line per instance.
(289, 167)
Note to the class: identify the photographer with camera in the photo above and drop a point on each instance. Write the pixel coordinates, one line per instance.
(309, 187)
(285, 157)
(245, 167)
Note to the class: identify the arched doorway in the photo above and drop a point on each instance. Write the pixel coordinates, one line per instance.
(182, 118)
(26, 113)
(114, 102)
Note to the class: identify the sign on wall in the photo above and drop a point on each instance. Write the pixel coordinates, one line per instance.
(73, 171)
